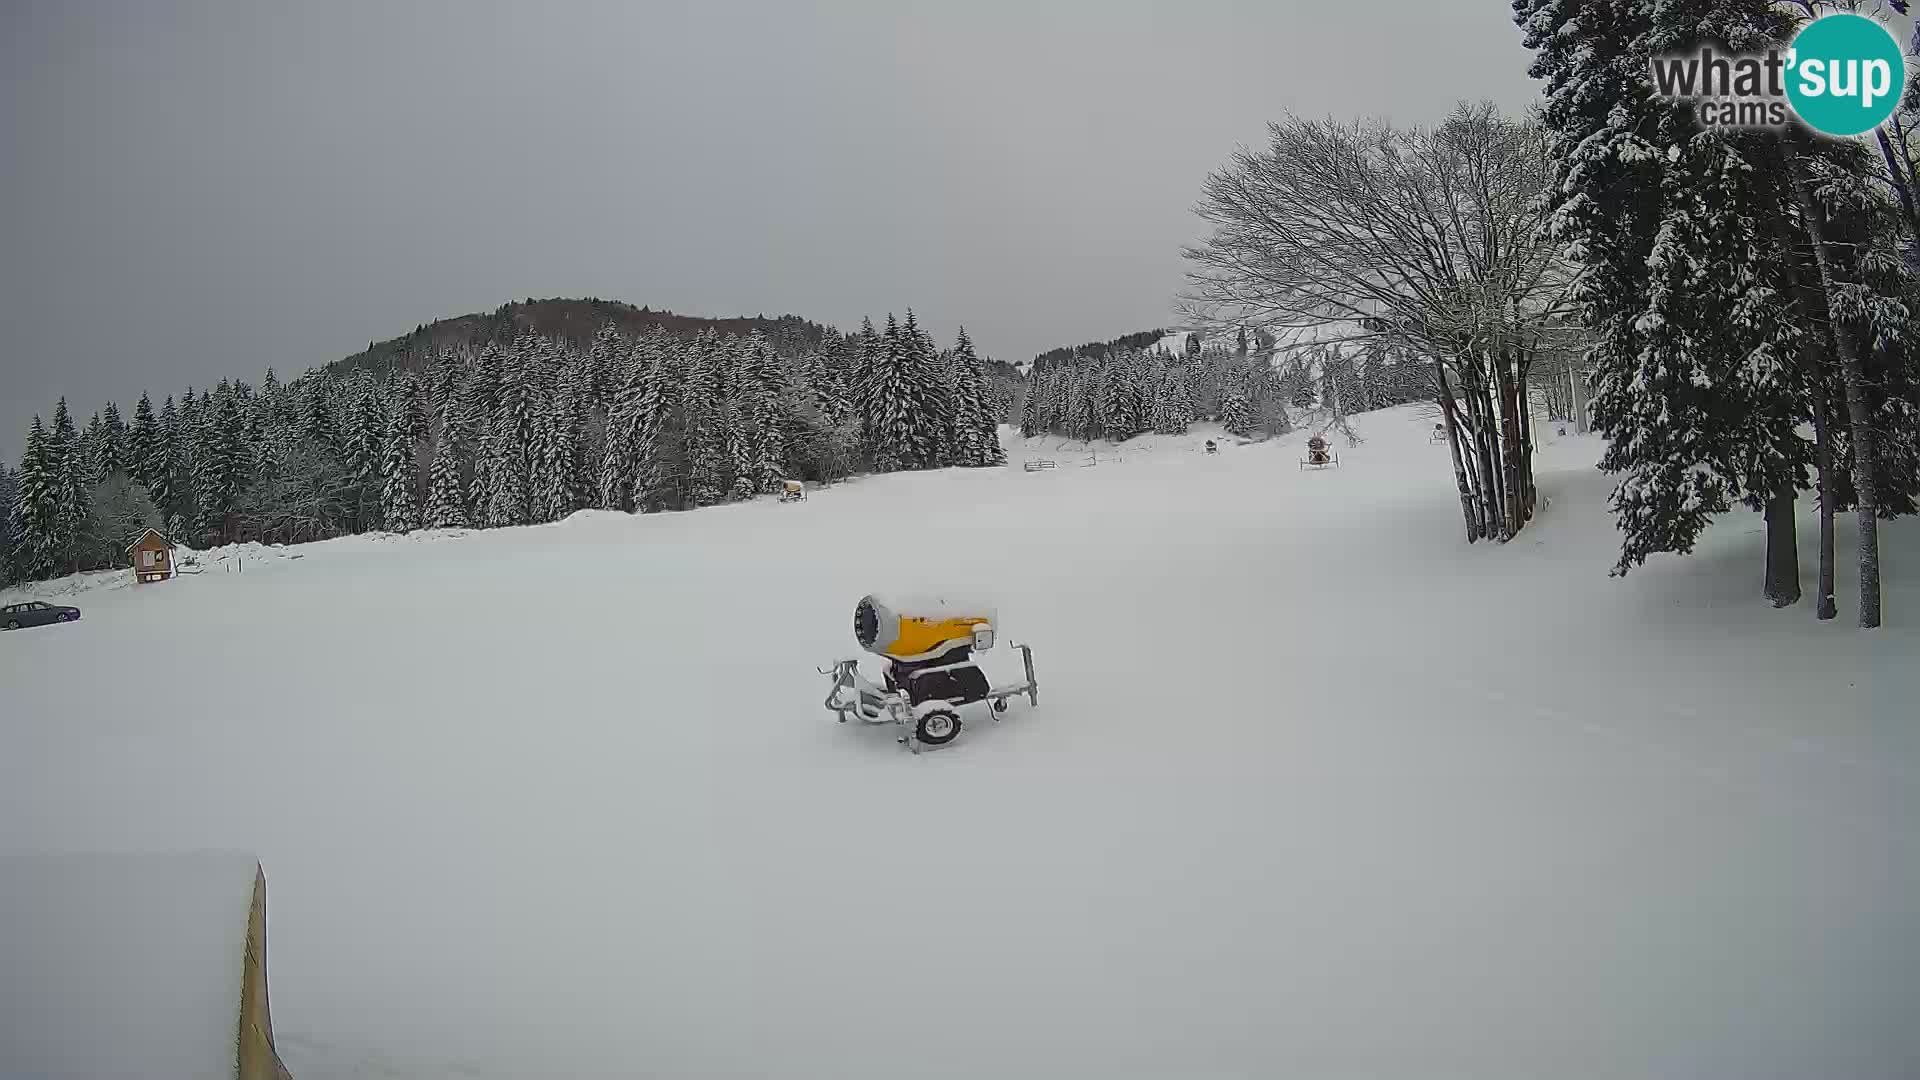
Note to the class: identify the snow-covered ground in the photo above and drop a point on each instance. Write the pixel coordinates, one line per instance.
(1314, 788)
(118, 968)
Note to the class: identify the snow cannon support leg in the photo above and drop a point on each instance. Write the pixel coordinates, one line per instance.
(1033, 686)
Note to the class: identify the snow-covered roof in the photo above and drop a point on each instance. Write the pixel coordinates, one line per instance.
(138, 540)
(122, 966)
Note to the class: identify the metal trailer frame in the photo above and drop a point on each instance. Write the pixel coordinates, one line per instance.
(877, 705)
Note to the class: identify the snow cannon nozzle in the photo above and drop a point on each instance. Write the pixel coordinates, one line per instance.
(921, 629)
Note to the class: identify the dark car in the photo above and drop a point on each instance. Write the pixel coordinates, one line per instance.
(35, 613)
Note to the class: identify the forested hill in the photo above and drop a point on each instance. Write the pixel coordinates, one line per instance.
(1138, 340)
(573, 321)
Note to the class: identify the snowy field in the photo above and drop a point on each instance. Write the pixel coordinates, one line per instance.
(1314, 788)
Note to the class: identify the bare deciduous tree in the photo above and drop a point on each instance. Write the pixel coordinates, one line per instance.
(1431, 241)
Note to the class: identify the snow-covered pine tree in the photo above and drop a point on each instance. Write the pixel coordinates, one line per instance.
(1179, 399)
(272, 396)
(892, 400)
(1236, 411)
(1673, 225)
(480, 484)
(409, 405)
(577, 428)
(767, 418)
(320, 424)
(1113, 409)
(869, 355)
(945, 425)
(976, 425)
(480, 396)
(659, 445)
(737, 407)
(71, 480)
(549, 462)
(606, 357)
(363, 435)
(446, 494)
(140, 440)
(1154, 395)
(619, 456)
(93, 466)
(399, 484)
(186, 437)
(1033, 410)
(500, 482)
(703, 425)
(444, 380)
(41, 492)
(274, 448)
(931, 413)
(1121, 418)
(830, 370)
(985, 409)
(190, 443)
(509, 435)
(1148, 375)
(114, 454)
(556, 369)
(161, 466)
(218, 475)
(1081, 417)
(10, 548)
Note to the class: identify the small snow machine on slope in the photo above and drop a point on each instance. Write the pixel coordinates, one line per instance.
(1319, 454)
(928, 646)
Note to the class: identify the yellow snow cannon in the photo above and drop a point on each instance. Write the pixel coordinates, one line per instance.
(928, 645)
(920, 630)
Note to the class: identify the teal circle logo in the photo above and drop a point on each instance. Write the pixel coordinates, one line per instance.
(1845, 74)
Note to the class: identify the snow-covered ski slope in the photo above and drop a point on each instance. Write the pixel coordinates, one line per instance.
(1314, 788)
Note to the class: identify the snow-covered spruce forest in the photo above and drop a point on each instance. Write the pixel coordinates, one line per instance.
(1247, 388)
(514, 433)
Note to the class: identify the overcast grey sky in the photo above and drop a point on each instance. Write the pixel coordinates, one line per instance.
(197, 190)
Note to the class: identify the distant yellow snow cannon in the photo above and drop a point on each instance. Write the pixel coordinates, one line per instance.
(928, 645)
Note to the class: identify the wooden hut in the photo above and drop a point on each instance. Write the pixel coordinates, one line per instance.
(151, 556)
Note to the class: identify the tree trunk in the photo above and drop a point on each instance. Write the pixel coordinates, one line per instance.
(1853, 378)
(1523, 441)
(1470, 432)
(1823, 465)
(1476, 460)
(1509, 447)
(1783, 549)
(1485, 436)
(1471, 512)
(1528, 493)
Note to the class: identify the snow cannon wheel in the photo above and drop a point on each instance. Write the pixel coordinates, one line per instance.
(1000, 705)
(937, 727)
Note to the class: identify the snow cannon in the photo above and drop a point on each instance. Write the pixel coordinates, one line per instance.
(927, 645)
(919, 630)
